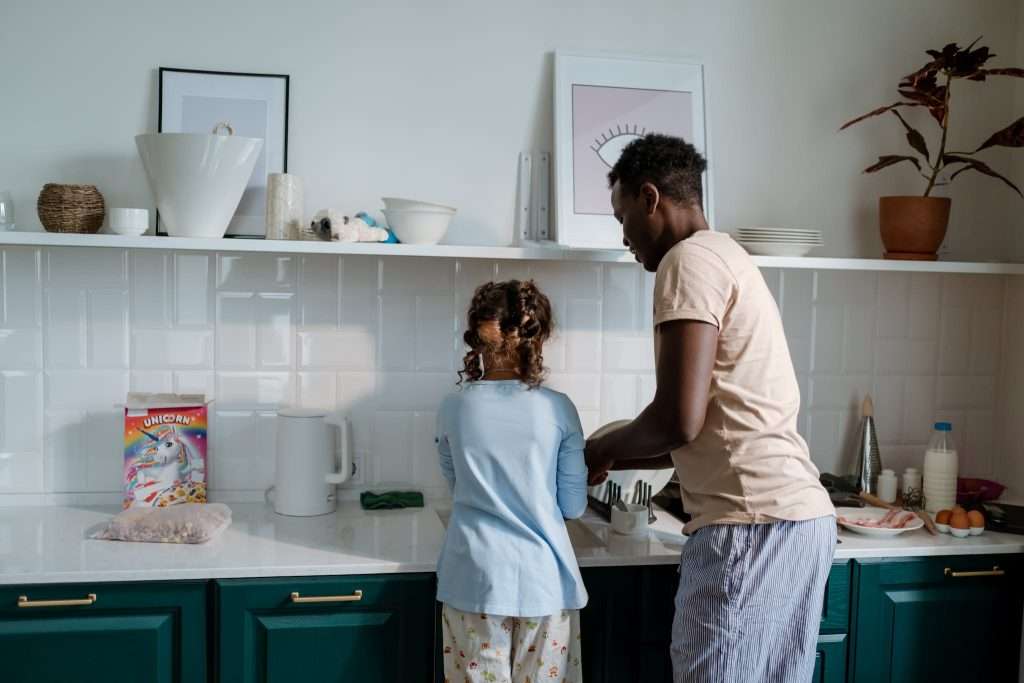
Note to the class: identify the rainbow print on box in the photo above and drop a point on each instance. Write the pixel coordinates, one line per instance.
(165, 448)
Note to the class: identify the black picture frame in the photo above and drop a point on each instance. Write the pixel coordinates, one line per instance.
(161, 71)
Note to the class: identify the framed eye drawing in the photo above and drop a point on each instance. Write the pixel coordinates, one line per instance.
(602, 103)
(254, 105)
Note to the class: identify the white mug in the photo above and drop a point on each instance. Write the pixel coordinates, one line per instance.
(631, 522)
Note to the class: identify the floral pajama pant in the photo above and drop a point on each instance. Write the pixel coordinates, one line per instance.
(486, 648)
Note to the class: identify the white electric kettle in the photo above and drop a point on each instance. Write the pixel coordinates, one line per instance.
(314, 454)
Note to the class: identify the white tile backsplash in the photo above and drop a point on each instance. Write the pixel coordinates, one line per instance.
(380, 340)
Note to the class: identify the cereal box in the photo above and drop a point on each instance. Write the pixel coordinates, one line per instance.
(165, 440)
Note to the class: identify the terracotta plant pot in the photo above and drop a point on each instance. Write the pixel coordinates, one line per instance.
(913, 227)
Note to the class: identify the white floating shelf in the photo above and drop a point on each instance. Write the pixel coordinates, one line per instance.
(531, 252)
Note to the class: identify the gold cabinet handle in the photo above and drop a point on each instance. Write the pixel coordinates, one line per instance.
(299, 600)
(995, 571)
(23, 601)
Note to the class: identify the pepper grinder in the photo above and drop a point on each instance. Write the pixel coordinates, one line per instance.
(869, 461)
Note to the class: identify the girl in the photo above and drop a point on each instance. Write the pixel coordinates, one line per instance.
(512, 452)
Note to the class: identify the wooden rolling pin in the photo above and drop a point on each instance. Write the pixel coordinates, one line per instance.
(871, 499)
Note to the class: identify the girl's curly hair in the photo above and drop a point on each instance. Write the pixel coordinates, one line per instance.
(510, 319)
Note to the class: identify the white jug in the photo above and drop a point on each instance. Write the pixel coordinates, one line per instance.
(314, 454)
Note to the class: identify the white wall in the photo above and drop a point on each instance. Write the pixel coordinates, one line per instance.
(379, 339)
(436, 100)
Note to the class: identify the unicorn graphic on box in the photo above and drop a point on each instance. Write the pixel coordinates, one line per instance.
(167, 472)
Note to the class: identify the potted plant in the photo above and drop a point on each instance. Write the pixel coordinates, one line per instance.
(914, 227)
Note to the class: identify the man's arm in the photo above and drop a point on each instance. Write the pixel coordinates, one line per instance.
(658, 462)
(686, 357)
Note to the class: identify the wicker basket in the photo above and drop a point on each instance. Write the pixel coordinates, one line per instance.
(71, 208)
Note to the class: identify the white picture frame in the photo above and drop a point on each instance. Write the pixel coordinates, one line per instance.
(256, 105)
(628, 96)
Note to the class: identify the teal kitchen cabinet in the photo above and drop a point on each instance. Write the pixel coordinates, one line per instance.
(833, 640)
(371, 629)
(830, 658)
(95, 633)
(627, 624)
(937, 619)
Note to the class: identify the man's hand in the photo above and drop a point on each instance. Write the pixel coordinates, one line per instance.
(598, 463)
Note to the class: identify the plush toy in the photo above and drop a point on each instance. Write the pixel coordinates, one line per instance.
(332, 225)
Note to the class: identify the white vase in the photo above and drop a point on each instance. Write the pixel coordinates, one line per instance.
(197, 180)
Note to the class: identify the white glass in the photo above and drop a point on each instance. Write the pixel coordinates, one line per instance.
(6, 211)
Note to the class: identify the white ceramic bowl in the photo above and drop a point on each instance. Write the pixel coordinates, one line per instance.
(414, 204)
(977, 530)
(418, 227)
(197, 179)
(128, 221)
(943, 528)
(959, 533)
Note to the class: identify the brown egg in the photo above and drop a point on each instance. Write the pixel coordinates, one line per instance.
(976, 519)
(959, 520)
(957, 508)
(942, 517)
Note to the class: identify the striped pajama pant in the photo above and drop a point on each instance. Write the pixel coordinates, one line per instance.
(749, 602)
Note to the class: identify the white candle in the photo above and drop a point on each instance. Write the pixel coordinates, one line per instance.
(284, 206)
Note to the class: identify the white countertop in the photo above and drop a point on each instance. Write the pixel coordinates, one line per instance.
(50, 545)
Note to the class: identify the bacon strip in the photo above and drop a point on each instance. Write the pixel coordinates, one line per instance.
(893, 519)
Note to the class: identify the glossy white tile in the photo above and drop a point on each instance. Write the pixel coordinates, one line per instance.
(85, 389)
(171, 349)
(254, 389)
(256, 272)
(107, 326)
(242, 456)
(21, 349)
(82, 268)
(276, 335)
(21, 287)
(65, 329)
(22, 472)
(236, 331)
(151, 289)
(21, 411)
(319, 287)
(193, 289)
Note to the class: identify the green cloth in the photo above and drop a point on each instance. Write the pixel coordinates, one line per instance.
(390, 500)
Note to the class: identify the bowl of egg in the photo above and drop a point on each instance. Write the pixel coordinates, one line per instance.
(959, 522)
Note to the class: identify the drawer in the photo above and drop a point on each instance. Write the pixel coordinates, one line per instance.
(372, 629)
(146, 632)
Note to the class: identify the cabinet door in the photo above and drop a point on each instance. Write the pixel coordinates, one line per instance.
(150, 633)
(627, 624)
(372, 629)
(937, 619)
(830, 659)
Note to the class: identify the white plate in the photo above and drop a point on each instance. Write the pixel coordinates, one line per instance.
(874, 514)
(776, 249)
(627, 479)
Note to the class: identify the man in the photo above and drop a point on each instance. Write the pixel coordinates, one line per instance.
(753, 570)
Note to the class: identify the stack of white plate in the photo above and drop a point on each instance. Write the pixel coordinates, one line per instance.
(778, 241)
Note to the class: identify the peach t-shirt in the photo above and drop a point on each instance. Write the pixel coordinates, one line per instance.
(748, 465)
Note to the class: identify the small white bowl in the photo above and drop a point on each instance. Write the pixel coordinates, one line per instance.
(414, 204)
(418, 227)
(943, 528)
(977, 530)
(960, 533)
(128, 221)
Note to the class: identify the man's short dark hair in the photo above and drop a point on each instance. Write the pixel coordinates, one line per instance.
(671, 164)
